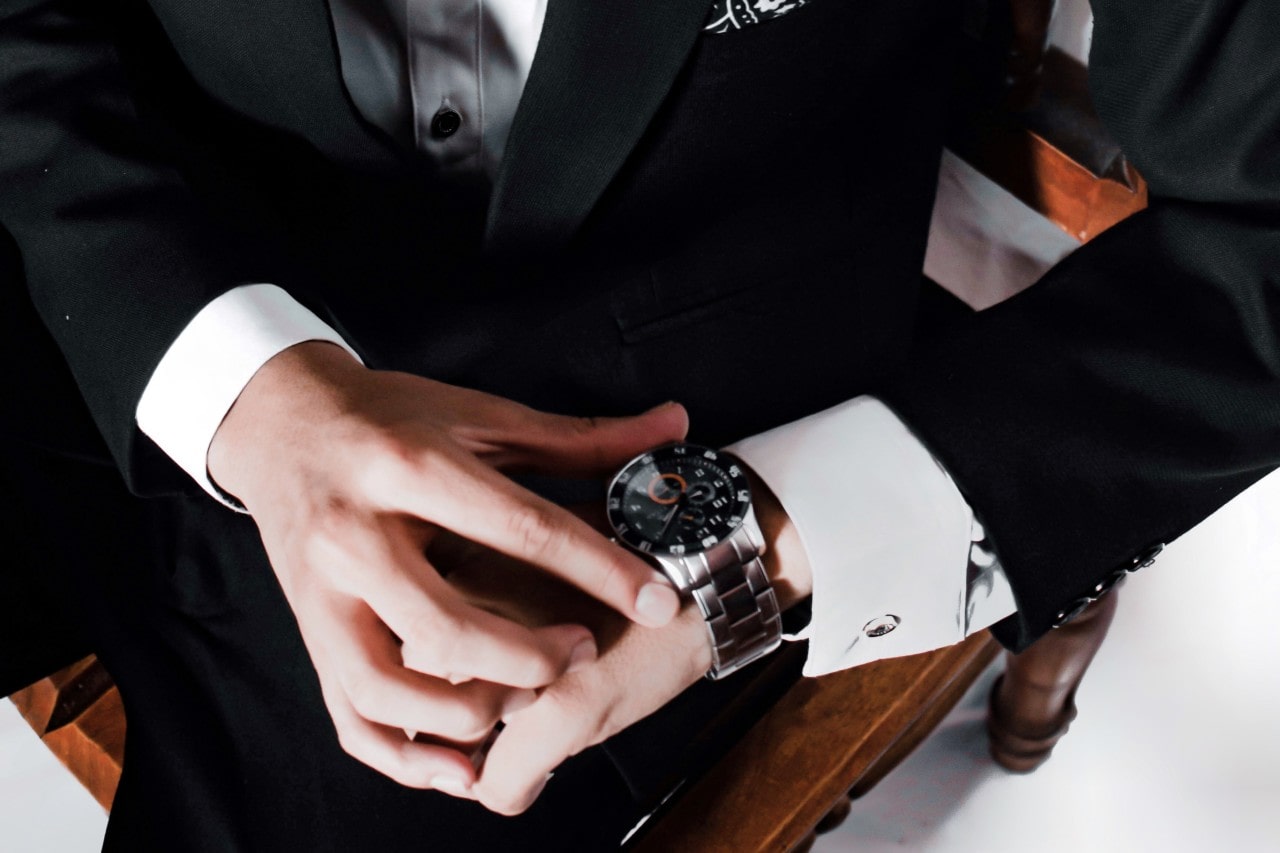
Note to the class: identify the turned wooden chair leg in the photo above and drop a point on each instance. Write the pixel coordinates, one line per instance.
(1033, 702)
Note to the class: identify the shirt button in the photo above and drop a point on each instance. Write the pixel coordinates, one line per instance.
(882, 625)
(445, 123)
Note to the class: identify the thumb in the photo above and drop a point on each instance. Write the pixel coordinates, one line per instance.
(596, 447)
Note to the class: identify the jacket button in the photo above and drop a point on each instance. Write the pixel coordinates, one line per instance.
(1112, 580)
(1147, 557)
(882, 625)
(445, 123)
(1076, 608)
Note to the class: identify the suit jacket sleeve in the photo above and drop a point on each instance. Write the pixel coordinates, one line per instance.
(118, 250)
(1136, 388)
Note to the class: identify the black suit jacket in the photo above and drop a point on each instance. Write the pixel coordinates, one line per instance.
(1109, 408)
(734, 221)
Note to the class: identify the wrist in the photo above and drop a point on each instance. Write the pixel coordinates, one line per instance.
(785, 560)
(297, 385)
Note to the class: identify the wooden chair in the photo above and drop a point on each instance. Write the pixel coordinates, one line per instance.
(831, 739)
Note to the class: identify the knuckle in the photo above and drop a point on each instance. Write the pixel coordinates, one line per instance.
(506, 803)
(330, 534)
(610, 577)
(535, 531)
(584, 425)
(354, 743)
(385, 462)
(544, 667)
(365, 695)
(435, 639)
(471, 720)
(403, 767)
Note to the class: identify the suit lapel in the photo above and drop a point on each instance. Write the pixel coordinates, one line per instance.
(296, 76)
(602, 69)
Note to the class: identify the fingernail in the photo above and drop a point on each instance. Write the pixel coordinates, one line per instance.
(583, 655)
(518, 701)
(450, 785)
(657, 603)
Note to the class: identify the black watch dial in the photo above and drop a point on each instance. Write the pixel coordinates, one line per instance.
(678, 499)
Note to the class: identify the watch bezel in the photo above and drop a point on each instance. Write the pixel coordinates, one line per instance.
(632, 538)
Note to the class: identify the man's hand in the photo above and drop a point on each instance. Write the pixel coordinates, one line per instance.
(350, 473)
(636, 674)
(639, 669)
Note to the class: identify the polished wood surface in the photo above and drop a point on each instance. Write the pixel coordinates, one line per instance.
(825, 737)
(1034, 702)
(78, 714)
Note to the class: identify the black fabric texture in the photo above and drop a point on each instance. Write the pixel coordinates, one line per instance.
(733, 221)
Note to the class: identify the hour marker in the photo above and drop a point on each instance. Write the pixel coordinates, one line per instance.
(710, 454)
(677, 549)
(624, 477)
(645, 546)
(735, 471)
(709, 541)
(744, 496)
(615, 503)
(646, 459)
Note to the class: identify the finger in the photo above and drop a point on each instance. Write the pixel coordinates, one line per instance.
(383, 691)
(467, 642)
(449, 637)
(477, 502)
(526, 752)
(391, 753)
(559, 445)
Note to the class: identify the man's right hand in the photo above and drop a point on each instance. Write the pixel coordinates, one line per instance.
(349, 472)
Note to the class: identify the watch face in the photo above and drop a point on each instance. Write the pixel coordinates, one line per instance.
(678, 499)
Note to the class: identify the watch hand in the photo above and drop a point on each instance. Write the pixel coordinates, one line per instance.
(671, 516)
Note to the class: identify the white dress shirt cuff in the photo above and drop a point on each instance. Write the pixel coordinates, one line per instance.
(887, 533)
(210, 363)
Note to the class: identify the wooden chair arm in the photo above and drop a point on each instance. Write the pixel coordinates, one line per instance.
(824, 738)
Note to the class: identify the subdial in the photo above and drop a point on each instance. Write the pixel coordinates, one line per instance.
(666, 489)
(693, 517)
(701, 492)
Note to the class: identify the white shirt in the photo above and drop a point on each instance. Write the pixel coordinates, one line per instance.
(890, 539)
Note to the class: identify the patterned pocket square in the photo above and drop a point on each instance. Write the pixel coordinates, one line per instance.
(729, 15)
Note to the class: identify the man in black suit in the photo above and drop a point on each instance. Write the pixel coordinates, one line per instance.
(733, 221)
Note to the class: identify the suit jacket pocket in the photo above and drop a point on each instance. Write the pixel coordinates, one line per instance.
(729, 16)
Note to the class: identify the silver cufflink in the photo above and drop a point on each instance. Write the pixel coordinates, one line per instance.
(881, 625)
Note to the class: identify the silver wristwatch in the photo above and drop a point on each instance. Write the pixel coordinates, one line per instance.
(688, 509)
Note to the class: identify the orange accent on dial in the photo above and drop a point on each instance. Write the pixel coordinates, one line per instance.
(667, 501)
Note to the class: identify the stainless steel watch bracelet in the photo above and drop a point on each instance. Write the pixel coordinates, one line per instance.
(732, 590)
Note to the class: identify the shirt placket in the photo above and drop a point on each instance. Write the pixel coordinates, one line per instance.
(444, 73)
